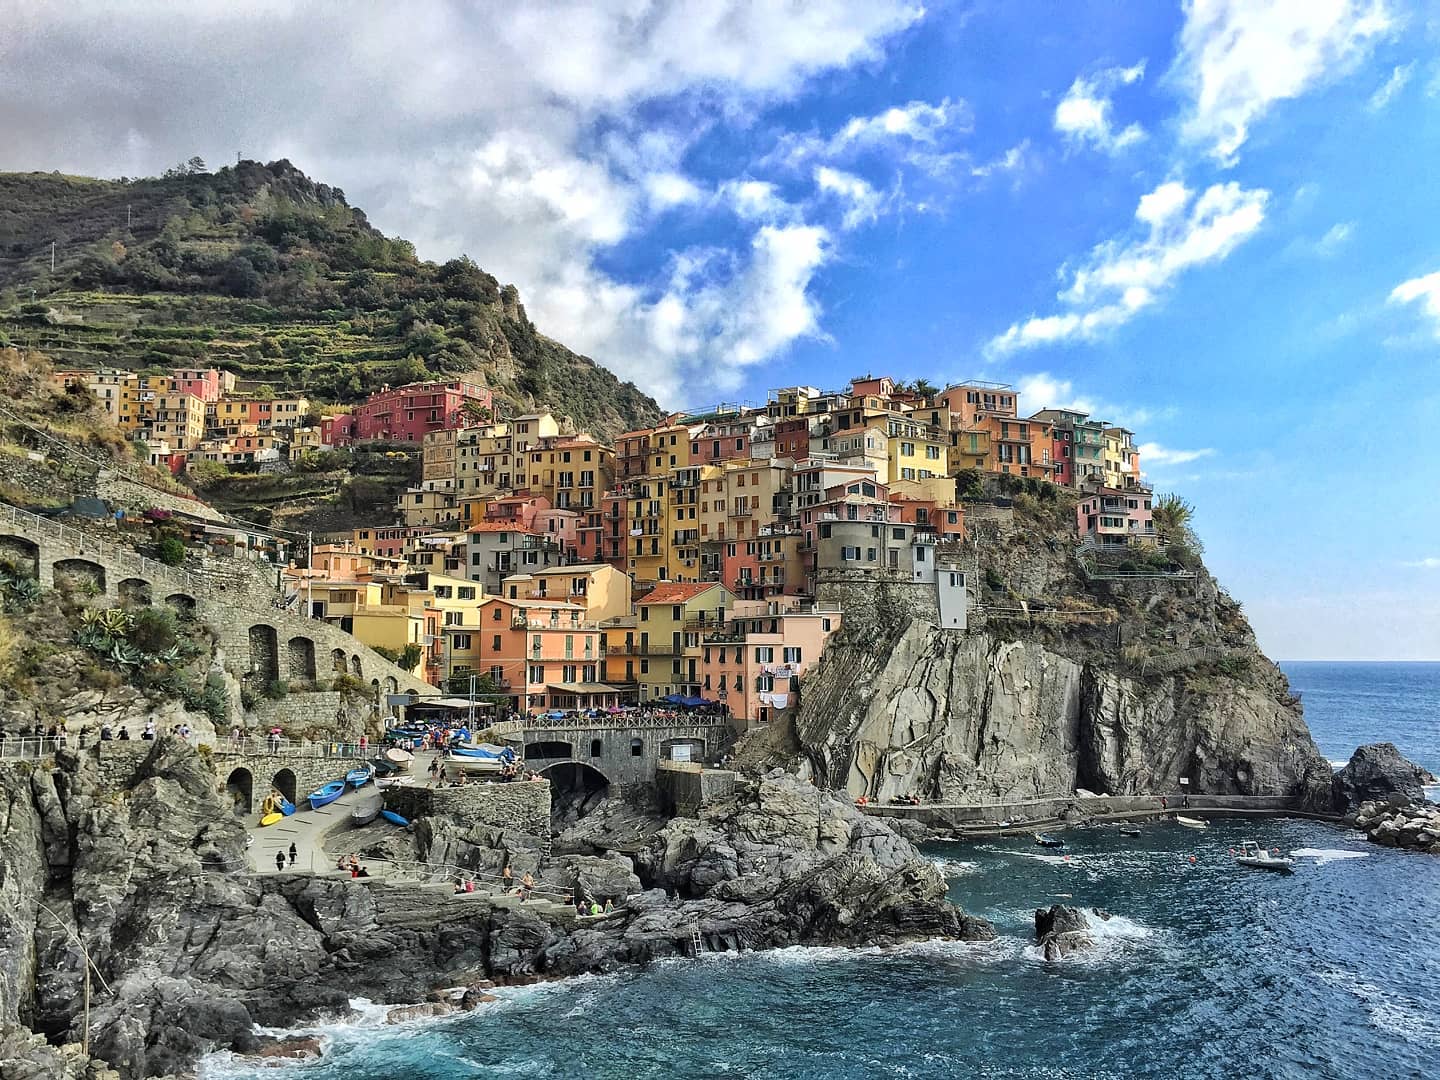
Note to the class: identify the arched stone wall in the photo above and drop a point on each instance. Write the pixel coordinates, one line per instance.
(240, 786)
(134, 591)
(549, 748)
(78, 571)
(337, 661)
(355, 667)
(25, 554)
(264, 653)
(284, 782)
(300, 659)
(183, 605)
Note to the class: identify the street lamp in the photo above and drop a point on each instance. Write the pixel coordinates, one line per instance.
(85, 953)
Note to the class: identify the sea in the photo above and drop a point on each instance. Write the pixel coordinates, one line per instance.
(1202, 969)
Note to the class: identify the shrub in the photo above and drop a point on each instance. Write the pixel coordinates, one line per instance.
(172, 551)
(153, 630)
(993, 579)
(276, 689)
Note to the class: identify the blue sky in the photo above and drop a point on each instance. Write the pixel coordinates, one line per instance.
(1213, 221)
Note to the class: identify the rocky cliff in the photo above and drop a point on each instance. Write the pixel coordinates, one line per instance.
(192, 949)
(1072, 675)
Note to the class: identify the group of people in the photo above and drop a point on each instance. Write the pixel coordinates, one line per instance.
(593, 907)
(349, 862)
(280, 859)
(108, 733)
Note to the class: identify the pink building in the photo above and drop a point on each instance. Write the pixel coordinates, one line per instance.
(207, 384)
(758, 675)
(408, 413)
(519, 510)
(562, 526)
(1111, 516)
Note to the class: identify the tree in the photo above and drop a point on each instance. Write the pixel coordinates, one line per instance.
(172, 551)
(925, 388)
(1174, 520)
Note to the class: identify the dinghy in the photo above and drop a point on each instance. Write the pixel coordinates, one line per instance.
(393, 818)
(470, 765)
(271, 819)
(1191, 822)
(1046, 840)
(367, 811)
(399, 758)
(484, 751)
(286, 806)
(327, 794)
(1129, 831)
(358, 777)
(1255, 857)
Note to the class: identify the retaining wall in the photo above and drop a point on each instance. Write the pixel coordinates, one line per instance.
(522, 806)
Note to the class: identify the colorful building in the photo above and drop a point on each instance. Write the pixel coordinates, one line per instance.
(408, 413)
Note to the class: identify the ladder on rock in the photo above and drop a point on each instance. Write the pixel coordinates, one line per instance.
(697, 943)
(546, 846)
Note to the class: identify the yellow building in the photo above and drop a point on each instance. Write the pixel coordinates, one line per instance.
(117, 391)
(1120, 459)
(177, 418)
(672, 621)
(303, 440)
(601, 591)
(969, 450)
(485, 462)
(916, 451)
(437, 458)
(572, 471)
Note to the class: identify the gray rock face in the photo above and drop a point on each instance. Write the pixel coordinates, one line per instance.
(193, 951)
(1061, 930)
(1378, 772)
(952, 716)
(1401, 823)
(27, 1056)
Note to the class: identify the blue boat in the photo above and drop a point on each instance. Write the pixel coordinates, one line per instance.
(484, 750)
(326, 794)
(286, 806)
(358, 777)
(394, 818)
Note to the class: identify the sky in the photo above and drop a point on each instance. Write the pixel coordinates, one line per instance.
(1216, 222)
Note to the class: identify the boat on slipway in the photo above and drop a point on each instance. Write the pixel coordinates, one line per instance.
(326, 794)
(368, 809)
(1255, 857)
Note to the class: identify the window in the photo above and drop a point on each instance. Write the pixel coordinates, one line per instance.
(792, 655)
(495, 614)
(850, 554)
(897, 534)
(675, 612)
(764, 654)
(825, 625)
(765, 683)
(537, 673)
(466, 592)
(594, 747)
(454, 618)
(644, 667)
(462, 641)
(637, 747)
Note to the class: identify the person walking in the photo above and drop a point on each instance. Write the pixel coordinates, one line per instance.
(279, 861)
(293, 853)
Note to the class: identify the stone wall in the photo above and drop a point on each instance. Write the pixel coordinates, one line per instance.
(623, 755)
(687, 790)
(522, 806)
(120, 491)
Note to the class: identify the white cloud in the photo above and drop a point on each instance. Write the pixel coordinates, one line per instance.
(917, 120)
(1237, 58)
(1424, 291)
(519, 139)
(916, 133)
(1044, 391)
(1121, 277)
(1153, 455)
(1430, 562)
(861, 201)
(1083, 115)
(667, 189)
(1012, 161)
(1398, 80)
(1335, 238)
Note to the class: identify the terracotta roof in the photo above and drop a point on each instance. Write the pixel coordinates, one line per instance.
(676, 592)
(502, 526)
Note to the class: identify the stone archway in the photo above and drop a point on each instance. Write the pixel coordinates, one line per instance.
(284, 782)
(22, 554)
(134, 591)
(240, 786)
(576, 789)
(337, 661)
(264, 653)
(183, 605)
(79, 573)
(300, 659)
(355, 667)
(549, 748)
(392, 685)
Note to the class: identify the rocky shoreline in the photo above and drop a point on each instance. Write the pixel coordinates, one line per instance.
(195, 950)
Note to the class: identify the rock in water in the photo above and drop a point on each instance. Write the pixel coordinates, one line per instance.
(1376, 773)
(1061, 930)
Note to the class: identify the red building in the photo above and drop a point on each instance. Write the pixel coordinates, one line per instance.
(407, 413)
(792, 438)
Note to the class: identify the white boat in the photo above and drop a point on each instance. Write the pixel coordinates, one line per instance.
(457, 763)
(395, 781)
(1191, 822)
(399, 758)
(1256, 857)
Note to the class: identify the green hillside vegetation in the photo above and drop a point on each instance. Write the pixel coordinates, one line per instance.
(261, 271)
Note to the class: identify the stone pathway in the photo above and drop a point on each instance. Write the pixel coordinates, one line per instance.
(305, 829)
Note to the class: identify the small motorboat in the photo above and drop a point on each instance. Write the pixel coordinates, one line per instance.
(271, 819)
(1256, 857)
(359, 777)
(483, 750)
(394, 781)
(1129, 830)
(1191, 822)
(459, 763)
(1046, 840)
(326, 794)
(401, 759)
(367, 811)
(394, 818)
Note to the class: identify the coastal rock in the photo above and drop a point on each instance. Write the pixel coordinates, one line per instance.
(27, 1056)
(1416, 827)
(953, 717)
(1379, 772)
(1062, 930)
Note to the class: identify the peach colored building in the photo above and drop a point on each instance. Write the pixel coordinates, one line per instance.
(754, 666)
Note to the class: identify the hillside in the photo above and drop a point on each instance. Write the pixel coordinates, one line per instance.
(264, 272)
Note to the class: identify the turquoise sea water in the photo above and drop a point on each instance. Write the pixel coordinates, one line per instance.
(1207, 970)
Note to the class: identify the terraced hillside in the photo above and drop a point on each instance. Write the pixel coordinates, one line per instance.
(264, 272)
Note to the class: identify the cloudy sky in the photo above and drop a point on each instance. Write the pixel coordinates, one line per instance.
(1215, 221)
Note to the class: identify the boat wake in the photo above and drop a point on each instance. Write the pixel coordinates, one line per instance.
(1327, 855)
(1390, 1011)
(955, 867)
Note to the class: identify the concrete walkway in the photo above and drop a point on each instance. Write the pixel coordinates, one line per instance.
(306, 829)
